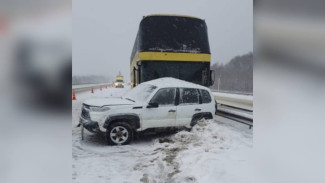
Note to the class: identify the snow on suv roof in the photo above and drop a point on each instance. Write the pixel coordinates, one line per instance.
(172, 82)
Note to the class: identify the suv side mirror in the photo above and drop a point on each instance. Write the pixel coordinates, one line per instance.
(152, 105)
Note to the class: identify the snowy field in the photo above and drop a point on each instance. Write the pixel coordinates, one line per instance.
(217, 150)
(89, 85)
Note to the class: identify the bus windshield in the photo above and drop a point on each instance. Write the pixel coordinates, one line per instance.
(173, 34)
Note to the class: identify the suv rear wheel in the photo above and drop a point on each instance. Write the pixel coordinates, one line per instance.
(119, 133)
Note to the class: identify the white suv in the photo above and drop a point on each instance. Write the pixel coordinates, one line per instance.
(164, 102)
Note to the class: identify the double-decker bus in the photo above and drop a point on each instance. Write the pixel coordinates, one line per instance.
(171, 46)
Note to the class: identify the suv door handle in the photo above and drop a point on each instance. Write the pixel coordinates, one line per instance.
(172, 110)
(197, 109)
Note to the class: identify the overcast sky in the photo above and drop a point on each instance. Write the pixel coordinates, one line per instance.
(104, 31)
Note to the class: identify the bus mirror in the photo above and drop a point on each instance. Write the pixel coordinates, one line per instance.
(212, 77)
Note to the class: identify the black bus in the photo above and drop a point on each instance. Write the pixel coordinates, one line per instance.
(171, 46)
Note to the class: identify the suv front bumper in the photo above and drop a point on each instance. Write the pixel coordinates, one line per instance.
(91, 126)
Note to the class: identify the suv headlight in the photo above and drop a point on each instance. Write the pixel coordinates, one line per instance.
(99, 109)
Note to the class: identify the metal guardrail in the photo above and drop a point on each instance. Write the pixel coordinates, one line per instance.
(83, 88)
(235, 115)
(231, 92)
(234, 100)
(235, 106)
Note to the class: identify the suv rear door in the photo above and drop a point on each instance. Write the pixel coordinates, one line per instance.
(207, 103)
(188, 105)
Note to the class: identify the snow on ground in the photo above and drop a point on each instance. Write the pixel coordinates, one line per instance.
(234, 96)
(215, 150)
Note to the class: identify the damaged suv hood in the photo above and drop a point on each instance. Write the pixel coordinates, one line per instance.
(99, 102)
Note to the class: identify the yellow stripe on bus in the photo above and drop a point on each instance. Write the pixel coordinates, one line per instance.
(171, 56)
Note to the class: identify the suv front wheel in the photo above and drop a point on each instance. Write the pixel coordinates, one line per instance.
(119, 133)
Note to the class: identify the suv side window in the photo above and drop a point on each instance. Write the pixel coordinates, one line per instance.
(206, 98)
(165, 96)
(189, 96)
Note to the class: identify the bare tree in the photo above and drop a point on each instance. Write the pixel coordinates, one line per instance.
(236, 76)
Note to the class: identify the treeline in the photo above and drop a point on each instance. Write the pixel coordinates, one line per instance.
(92, 79)
(235, 76)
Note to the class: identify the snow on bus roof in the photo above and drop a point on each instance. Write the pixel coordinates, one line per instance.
(172, 82)
(171, 15)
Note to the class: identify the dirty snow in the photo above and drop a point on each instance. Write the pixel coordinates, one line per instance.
(215, 150)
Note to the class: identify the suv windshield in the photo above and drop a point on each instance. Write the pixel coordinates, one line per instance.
(140, 92)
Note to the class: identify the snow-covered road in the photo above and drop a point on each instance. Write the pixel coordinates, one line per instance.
(217, 150)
